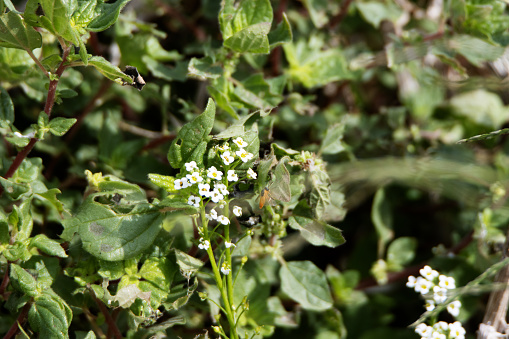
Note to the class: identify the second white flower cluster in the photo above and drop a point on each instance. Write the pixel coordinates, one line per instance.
(431, 281)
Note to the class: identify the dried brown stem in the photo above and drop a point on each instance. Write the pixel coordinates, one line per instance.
(22, 318)
(494, 322)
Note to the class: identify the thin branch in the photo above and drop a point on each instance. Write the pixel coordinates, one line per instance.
(107, 316)
(48, 107)
(37, 62)
(335, 21)
(22, 318)
(496, 311)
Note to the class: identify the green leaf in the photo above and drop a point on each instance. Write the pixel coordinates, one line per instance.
(317, 232)
(313, 66)
(11, 7)
(4, 229)
(317, 11)
(190, 142)
(401, 252)
(48, 246)
(188, 264)
(382, 219)
(375, 12)
(60, 126)
(305, 283)
(333, 141)
(203, 69)
(21, 218)
(111, 235)
(282, 34)
(6, 106)
(50, 317)
(23, 281)
(252, 39)
(280, 189)
(15, 33)
(56, 19)
(171, 204)
(107, 15)
(481, 107)
(163, 181)
(319, 198)
(109, 70)
(159, 272)
(476, 51)
(234, 18)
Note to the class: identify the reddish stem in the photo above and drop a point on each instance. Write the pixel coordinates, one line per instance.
(20, 320)
(107, 316)
(48, 107)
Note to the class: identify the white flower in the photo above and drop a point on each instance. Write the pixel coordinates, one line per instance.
(244, 155)
(423, 330)
(223, 220)
(194, 177)
(240, 142)
(216, 196)
(411, 281)
(213, 173)
(225, 269)
(194, 201)
(204, 244)
(228, 244)
(185, 183)
(456, 330)
(446, 282)
(438, 335)
(252, 221)
(237, 210)
(225, 147)
(221, 188)
(422, 285)
(430, 305)
(227, 158)
(177, 184)
(251, 174)
(204, 190)
(439, 294)
(441, 326)
(232, 176)
(428, 273)
(212, 215)
(190, 166)
(454, 308)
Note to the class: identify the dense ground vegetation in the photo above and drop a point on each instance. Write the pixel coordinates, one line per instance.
(252, 168)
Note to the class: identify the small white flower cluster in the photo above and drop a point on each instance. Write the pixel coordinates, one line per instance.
(441, 330)
(225, 269)
(204, 244)
(432, 281)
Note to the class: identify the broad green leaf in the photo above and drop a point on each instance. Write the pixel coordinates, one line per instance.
(242, 247)
(159, 70)
(111, 235)
(50, 317)
(15, 33)
(4, 230)
(23, 281)
(236, 17)
(282, 34)
(180, 295)
(476, 51)
(317, 11)
(111, 270)
(171, 204)
(127, 295)
(59, 126)
(163, 181)
(107, 15)
(21, 219)
(280, 189)
(109, 70)
(56, 19)
(190, 142)
(48, 246)
(375, 12)
(252, 39)
(319, 198)
(333, 141)
(481, 107)
(401, 252)
(305, 283)
(188, 264)
(312, 66)
(6, 106)
(382, 220)
(85, 13)
(317, 232)
(203, 69)
(9, 5)
(159, 272)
